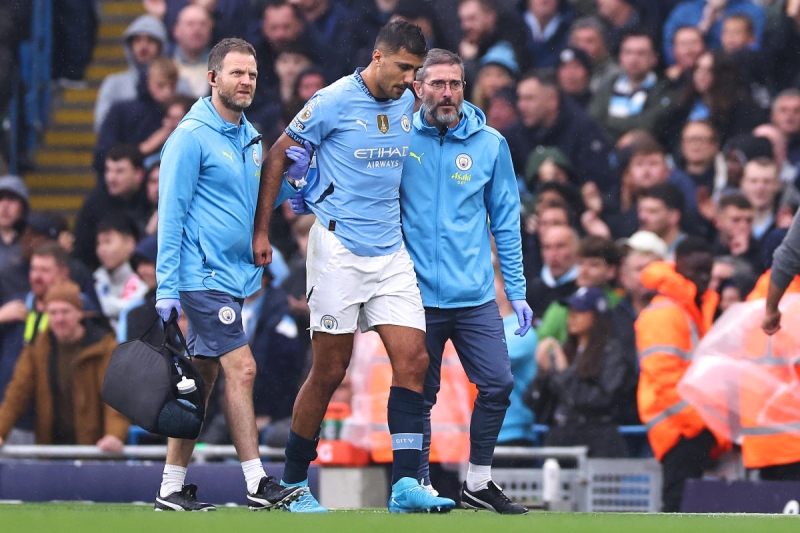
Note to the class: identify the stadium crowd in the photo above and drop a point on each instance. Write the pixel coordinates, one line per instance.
(642, 133)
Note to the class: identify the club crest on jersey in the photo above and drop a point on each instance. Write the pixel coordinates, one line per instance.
(463, 162)
(256, 159)
(383, 123)
(328, 322)
(405, 123)
(227, 315)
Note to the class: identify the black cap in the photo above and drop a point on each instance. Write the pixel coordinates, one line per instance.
(46, 224)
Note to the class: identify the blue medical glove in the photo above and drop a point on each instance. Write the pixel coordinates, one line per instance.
(524, 316)
(165, 306)
(301, 155)
(298, 204)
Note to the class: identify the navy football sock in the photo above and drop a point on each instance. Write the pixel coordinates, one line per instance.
(299, 454)
(405, 425)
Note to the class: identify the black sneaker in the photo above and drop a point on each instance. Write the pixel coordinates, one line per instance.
(491, 498)
(182, 500)
(271, 494)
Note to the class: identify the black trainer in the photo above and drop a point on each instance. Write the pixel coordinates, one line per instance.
(271, 494)
(491, 499)
(182, 500)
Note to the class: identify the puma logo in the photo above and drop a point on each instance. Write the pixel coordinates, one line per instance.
(417, 157)
(229, 156)
(363, 123)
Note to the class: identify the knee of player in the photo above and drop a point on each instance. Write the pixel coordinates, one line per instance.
(327, 380)
(417, 364)
(496, 390)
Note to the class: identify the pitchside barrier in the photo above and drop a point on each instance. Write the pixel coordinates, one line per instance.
(593, 485)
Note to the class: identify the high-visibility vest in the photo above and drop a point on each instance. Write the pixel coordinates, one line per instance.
(666, 416)
(450, 416)
(768, 399)
(762, 287)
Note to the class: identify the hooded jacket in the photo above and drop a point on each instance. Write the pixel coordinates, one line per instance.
(32, 380)
(455, 187)
(123, 85)
(667, 332)
(210, 174)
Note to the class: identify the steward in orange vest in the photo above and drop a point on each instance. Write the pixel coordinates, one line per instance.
(667, 331)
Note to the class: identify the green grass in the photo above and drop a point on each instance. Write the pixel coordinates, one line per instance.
(108, 518)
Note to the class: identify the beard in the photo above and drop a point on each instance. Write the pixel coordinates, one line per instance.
(442, 118)
(231, 102)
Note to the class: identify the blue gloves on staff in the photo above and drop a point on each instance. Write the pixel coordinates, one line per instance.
(524, 316)
(165, 306)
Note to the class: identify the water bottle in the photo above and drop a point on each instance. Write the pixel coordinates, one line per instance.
(551, 481)
(186, 386)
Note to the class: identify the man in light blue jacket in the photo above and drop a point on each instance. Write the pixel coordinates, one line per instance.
(210, 174)
(458, 186)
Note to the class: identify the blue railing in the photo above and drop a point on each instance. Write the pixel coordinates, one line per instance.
(32, 85)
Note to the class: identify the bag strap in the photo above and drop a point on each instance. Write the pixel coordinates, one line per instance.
(171, 331)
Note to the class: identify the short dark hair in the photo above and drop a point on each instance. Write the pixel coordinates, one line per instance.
(400, 34)
(744, 17)
(601, 248)
(439, 56)
(545, 76)
(223, 48)
(690, 245)
(736, 199)
(126, 151)
(54, 250)
(638, 31)
(669, 193)
(120, 223)
(186, 102)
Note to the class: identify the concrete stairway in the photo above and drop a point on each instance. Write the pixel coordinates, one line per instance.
(63, 162)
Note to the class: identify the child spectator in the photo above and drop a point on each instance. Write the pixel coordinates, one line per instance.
(738, 32)
(140, 313)
(115, 282)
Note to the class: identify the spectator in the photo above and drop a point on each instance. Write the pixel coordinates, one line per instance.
(290, 61)
(598, 263)
(15, 27)
(547, 215)
(74, 37)
(557, 278)
(727, 267)
(42, 227)
(144, 40)
(423, 14)
(738, 151)
(295, 283)
(548, 118)
(576, 383)
(661, 209)
(123, 194)
(63, 371)
(192, 33)
(140, 313)
(498, 70)
(484, 27)
(502, 110)
(785, 115)
(620, 16)
(700, 159)
(230, 17)
(141, 121)
(14, 205)
(707, 16)
(761, 186)
(717, 93)
(115, 282)
(574, 73)
(687, 46)
(329, 26)
(635, 98)
(548, 164)
(738, 33)
(152, 169)
(780, 148)
(589, 34)
(781, 44)
(734, 224)
(548, 24)
(643, 247)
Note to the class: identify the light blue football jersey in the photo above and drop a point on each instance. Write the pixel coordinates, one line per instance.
(360, 144)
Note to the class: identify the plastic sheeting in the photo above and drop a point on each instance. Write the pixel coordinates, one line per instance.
(743, 382)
